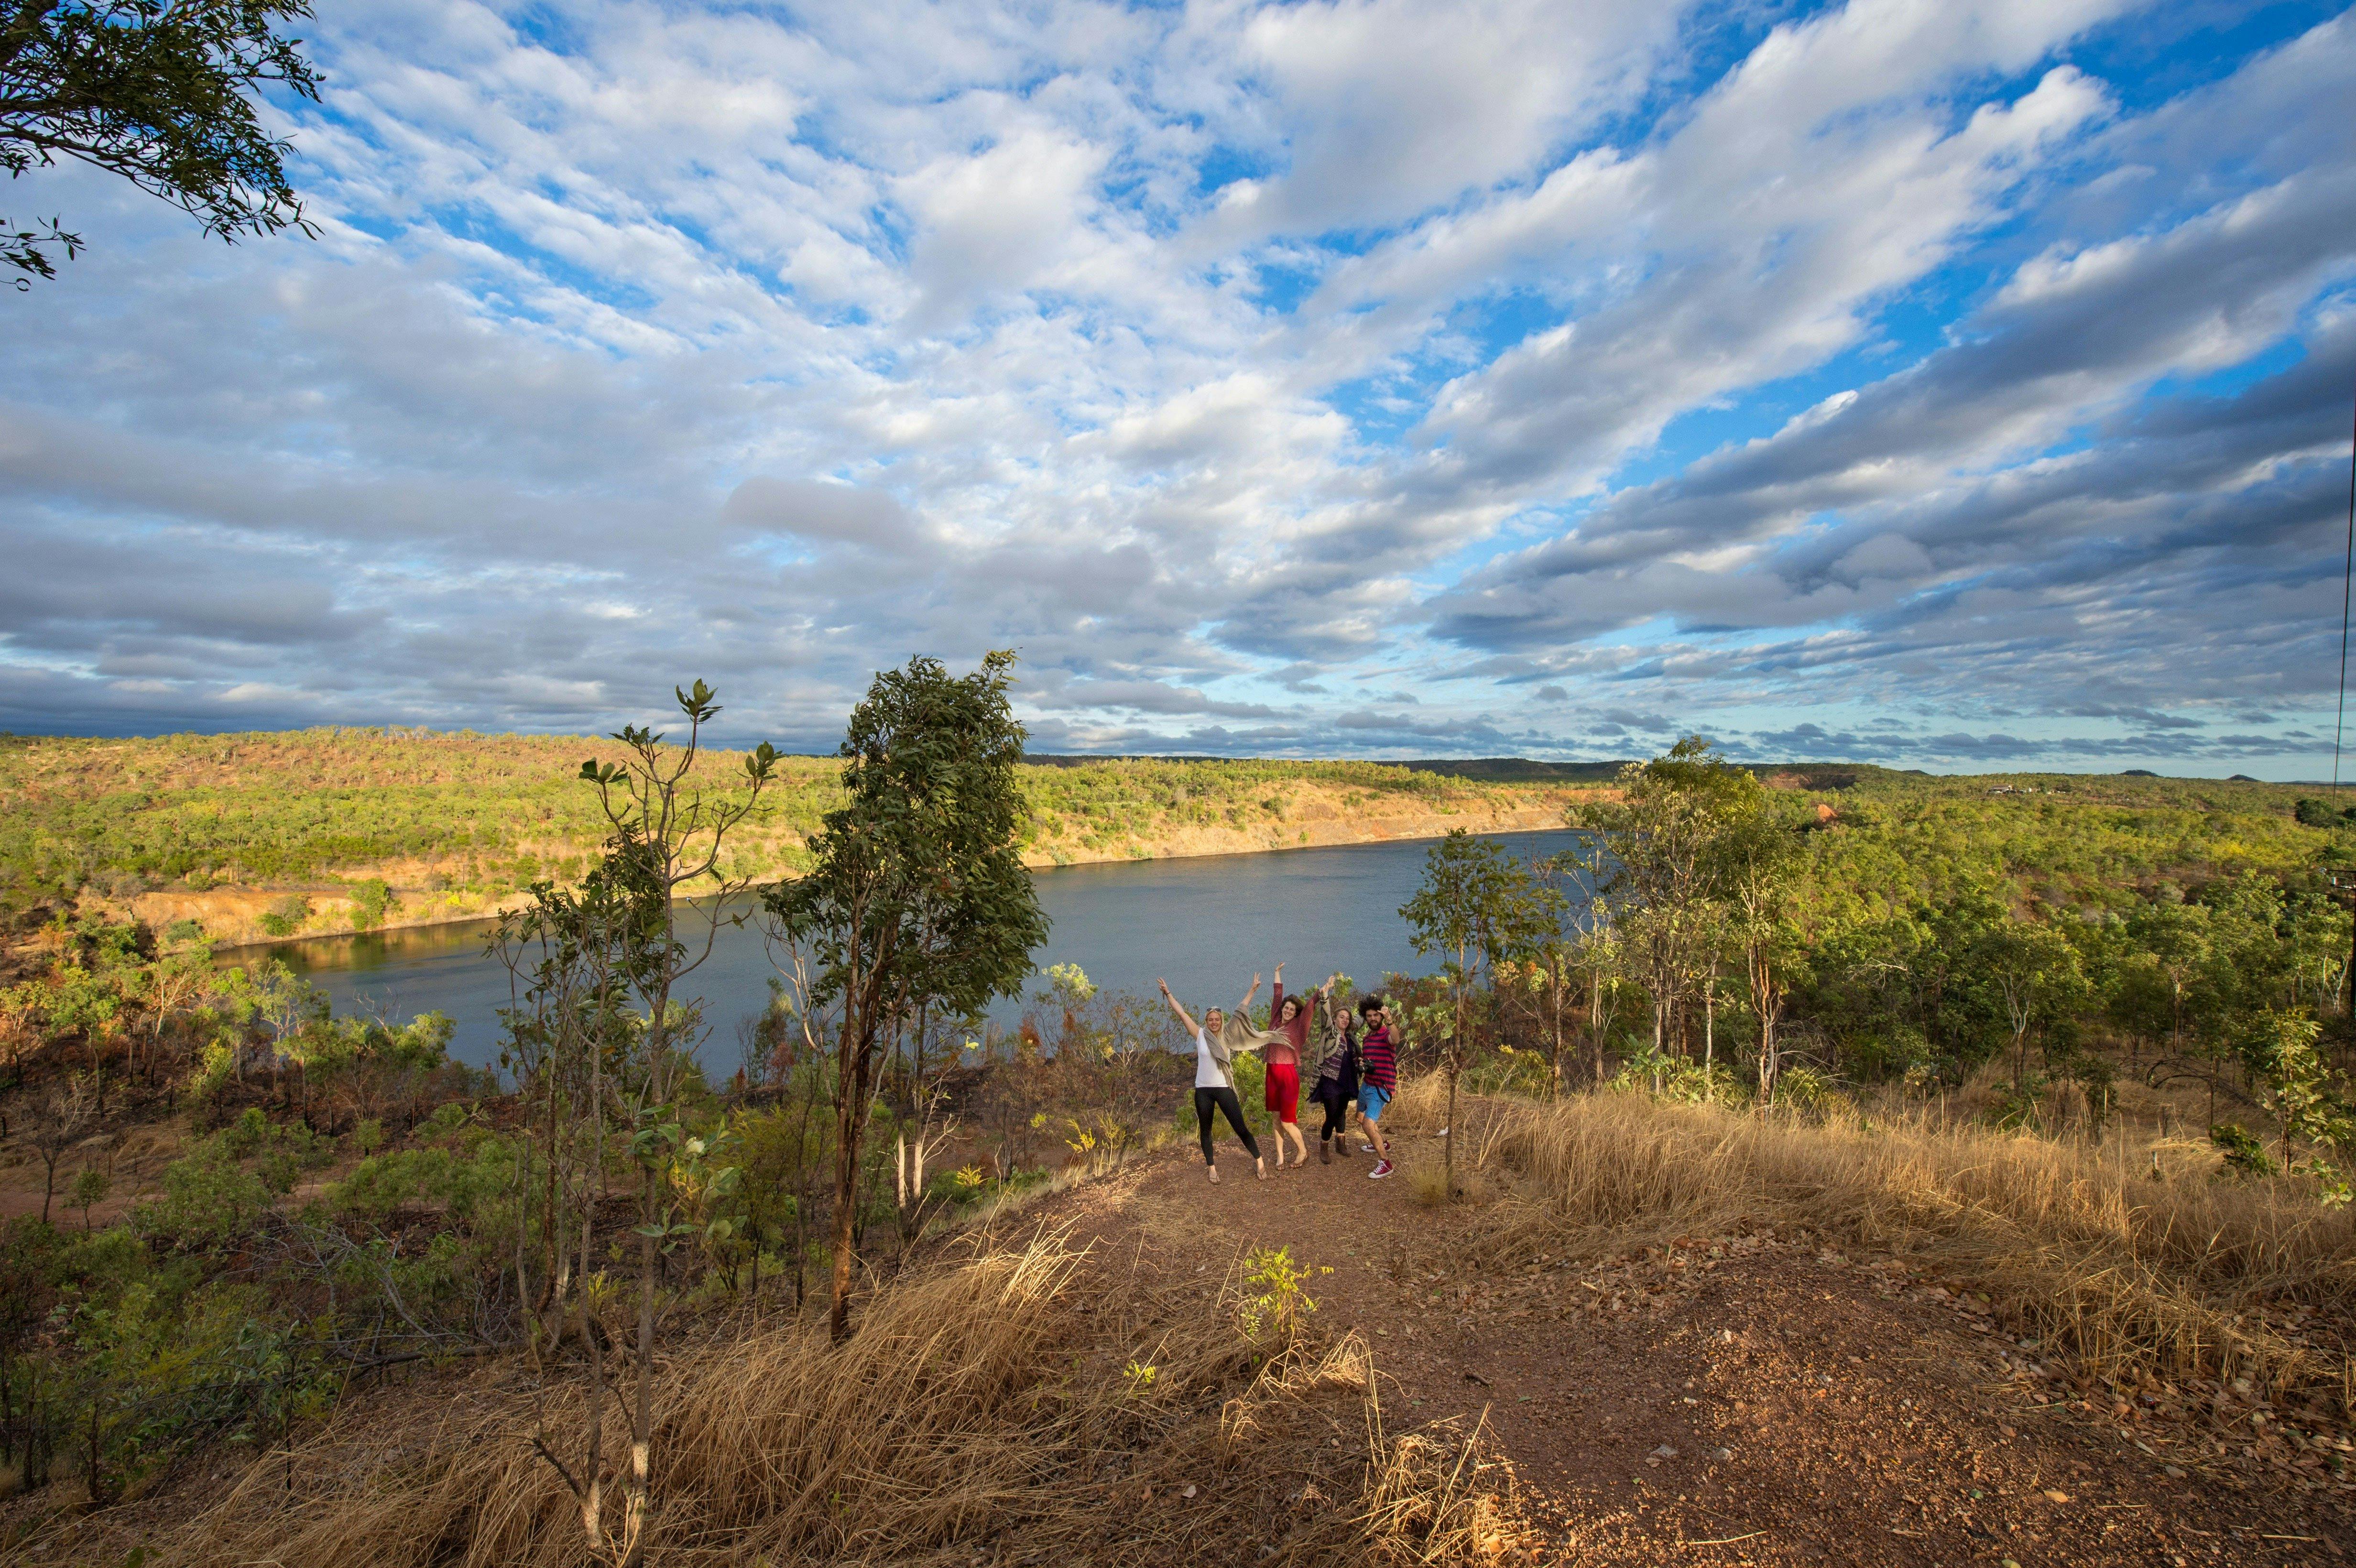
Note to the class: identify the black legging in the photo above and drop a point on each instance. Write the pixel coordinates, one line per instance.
(1337, 1109)
(1225, 1099)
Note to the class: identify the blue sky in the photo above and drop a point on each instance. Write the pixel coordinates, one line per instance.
(1945, 384)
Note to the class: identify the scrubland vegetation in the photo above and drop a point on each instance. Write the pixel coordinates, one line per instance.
(2077, 1048)
(265, 836)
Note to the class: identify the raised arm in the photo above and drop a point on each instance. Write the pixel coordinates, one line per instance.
(1183, 1016)
(1243, 1008)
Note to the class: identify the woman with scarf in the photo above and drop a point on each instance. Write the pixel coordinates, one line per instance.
(1337, 1082)
(1217, 1040)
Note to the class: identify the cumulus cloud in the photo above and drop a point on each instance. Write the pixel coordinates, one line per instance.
(1367, 376)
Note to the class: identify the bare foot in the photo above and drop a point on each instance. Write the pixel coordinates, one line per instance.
(1259, 1169)
(1215, 1176)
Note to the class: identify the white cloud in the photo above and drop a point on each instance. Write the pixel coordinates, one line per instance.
(1211, 355)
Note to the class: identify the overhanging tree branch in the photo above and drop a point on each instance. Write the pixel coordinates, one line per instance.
(161, 92)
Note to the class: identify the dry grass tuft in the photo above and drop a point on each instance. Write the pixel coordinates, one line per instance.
(1000, 1402)
(2078, 1240)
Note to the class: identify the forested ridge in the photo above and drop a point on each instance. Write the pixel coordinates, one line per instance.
(500, 811)
(456, 822)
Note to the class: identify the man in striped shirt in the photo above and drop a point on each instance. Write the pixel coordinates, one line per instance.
(1377, 1079)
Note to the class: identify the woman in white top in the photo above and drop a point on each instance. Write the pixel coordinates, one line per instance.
(1216, 1044)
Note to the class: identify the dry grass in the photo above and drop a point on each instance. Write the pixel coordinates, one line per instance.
(2080, 1242)
(995, 1407)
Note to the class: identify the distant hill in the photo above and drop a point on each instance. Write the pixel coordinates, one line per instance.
(1513, 769)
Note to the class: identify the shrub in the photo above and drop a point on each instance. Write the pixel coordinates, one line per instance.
(209, 1199)
(370, 900)
(2241, 1149)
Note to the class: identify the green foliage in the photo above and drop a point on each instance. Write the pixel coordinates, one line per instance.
(1645, 1068)
(917, 904)
(1250, 1076)
(287, 915)
(161, 94)
(2241, 1149)
(90, 1188)
(210, 1198)
(371, 899)
(492, 815)
(459, 1182)
(2312, 813)
(1478, 905)
(1810, 1093)
(918, 892)
(2294, 1080)
(1273, 1303)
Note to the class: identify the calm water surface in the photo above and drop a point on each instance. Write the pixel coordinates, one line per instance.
(1207, 924)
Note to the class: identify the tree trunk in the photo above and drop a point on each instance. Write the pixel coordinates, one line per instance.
(97, 1476)
(1458, 1049)
(1595, 1023)
(592, 1478)
(1450, 1142)
(1709, 1040)
(851, 1085)
(638, 1494)
(1555, 1007)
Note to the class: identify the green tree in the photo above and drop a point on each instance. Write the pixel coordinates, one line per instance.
(571, 952)
(70, 1108)
(2295, 1083)
(2035, 975)
(919, 901)
(2172, 939)
(1759, 861)
(90, 1189)
(1478, 906)
(1552, 965)
(371, 900)
(1663, 834)
(175, 983)
(670, 834)
(159, 91)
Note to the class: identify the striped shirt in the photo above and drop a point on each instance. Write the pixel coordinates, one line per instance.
(1378, 1065)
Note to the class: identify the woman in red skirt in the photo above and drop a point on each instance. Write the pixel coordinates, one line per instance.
(1289, 1017)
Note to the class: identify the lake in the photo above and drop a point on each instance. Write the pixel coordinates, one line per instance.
(1207, 924)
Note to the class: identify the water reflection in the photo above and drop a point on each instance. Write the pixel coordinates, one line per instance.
(1207, 924)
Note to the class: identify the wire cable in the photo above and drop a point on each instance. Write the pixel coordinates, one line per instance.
(2347, 588)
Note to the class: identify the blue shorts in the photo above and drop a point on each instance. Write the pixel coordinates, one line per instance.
(1373, 1102)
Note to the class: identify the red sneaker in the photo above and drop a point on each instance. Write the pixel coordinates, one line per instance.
(1382, 1168)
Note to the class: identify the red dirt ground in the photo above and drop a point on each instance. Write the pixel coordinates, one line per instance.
(1754, 1399)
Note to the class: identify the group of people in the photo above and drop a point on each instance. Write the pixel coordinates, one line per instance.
(1356, 1057)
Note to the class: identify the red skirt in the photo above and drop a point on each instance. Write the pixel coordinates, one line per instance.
(1284, 1091)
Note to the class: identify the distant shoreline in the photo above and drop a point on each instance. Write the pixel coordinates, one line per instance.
(223, 950)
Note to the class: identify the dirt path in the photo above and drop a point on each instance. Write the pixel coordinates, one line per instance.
(1755, 1399)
